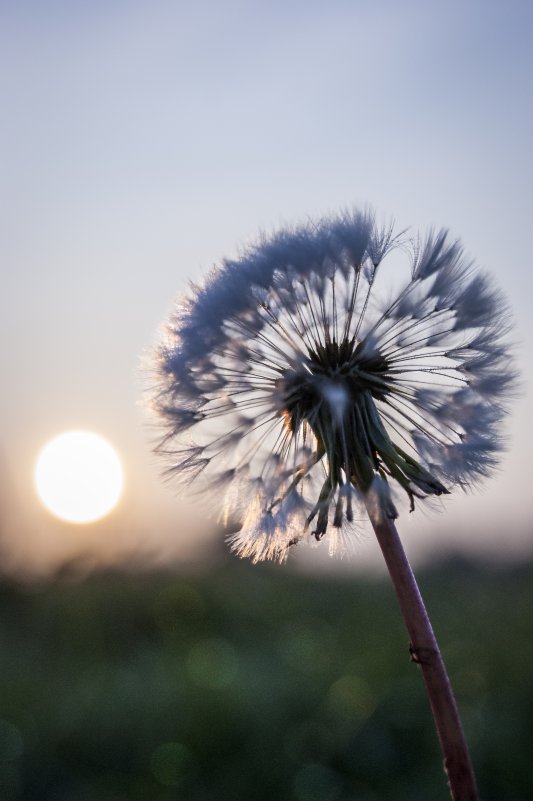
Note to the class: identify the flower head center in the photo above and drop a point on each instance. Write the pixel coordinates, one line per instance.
(334, 394)
(332, 381)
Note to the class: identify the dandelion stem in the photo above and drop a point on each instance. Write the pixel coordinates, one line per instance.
(426, 653)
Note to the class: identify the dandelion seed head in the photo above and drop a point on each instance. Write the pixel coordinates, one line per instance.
(290, 386)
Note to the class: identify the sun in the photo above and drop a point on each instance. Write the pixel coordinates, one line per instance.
(79, 477)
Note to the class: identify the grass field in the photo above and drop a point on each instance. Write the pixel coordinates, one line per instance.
(258, 683)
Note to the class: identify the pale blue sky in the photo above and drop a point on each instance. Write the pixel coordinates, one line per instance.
(142, 141)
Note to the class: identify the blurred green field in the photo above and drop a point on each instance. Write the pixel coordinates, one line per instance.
(258, 683)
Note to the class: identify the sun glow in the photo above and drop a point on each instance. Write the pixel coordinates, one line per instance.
(78, 477)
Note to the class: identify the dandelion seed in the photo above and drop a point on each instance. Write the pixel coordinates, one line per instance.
(289, 384)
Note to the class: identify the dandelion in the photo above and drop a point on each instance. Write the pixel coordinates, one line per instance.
(292, 386)
(332, 372)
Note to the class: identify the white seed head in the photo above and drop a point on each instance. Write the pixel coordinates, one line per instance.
(290, 388)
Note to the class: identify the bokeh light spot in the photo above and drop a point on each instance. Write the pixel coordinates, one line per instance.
(212, 663)
(350, 696)
(306, 648)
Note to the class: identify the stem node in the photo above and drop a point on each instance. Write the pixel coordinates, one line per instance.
(423, 656)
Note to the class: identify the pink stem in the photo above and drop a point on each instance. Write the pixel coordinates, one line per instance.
(425, 652)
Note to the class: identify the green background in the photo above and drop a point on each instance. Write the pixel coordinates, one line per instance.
(258, 683)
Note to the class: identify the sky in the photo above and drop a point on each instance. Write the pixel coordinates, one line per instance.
(142, 142)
